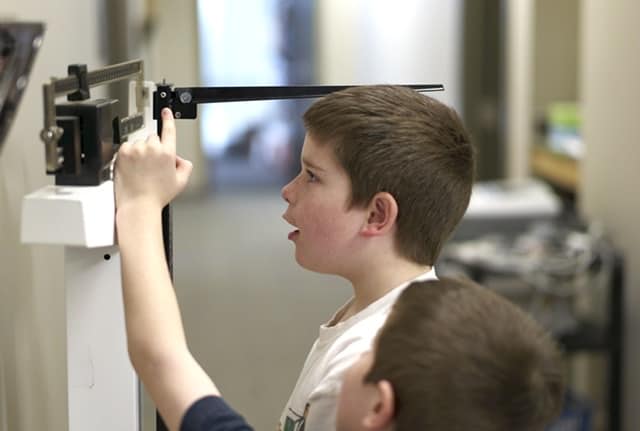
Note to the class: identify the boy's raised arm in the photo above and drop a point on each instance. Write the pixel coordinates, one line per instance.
(148, 176)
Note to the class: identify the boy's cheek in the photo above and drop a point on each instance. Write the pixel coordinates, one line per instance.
(342, 416)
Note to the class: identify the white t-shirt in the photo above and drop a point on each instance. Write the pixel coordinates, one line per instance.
(313, 402)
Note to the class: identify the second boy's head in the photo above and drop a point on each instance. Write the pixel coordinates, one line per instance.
(454, 356)
(378, 160)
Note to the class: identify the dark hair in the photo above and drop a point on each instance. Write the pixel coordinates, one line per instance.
(393, 139)
(459, 357)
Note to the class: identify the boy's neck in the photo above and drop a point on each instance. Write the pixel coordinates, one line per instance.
(373, 284)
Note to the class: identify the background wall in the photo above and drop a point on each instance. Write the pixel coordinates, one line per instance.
(407, 41)
(519, 45)
(556, 52)
(32, 332)
(609, 89)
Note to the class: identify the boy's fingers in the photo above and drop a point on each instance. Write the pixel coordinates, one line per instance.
(183, 170)
(168, 129)
(153, 139)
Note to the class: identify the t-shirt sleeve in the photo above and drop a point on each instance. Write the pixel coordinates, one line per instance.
(213, 414)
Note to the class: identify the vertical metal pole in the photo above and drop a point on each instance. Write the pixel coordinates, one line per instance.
(616, 345)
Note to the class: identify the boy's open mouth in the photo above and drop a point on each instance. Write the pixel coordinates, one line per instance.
(293, 234)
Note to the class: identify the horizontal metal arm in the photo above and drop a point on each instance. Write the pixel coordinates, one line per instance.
(238, 94)
(184, 101)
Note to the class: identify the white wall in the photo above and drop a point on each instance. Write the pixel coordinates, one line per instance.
(610, 91)
(383, 42)
(32, 332)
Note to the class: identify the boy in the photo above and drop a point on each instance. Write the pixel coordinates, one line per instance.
(386, 176)
(454, 356)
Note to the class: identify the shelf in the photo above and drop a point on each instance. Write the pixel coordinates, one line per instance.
(559, 170)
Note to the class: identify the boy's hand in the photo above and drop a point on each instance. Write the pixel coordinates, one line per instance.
(149, 173)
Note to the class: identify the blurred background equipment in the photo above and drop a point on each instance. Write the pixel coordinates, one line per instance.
(514, 204)
(516, 240)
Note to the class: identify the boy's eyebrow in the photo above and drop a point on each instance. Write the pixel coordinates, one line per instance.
(310, 164)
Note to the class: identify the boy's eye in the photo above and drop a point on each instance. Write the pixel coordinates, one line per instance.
(311, 176)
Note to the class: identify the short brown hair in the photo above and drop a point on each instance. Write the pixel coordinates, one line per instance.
(396, 140)
(459, 357)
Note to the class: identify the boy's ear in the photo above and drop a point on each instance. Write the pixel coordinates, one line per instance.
(380, 415)
(382, 213)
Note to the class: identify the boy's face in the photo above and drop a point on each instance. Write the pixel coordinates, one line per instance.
(326, 231)
(355, 395)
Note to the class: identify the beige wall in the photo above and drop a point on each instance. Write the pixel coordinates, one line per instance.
(32, 333)
(519, 43)
(542, 67)
(610, 90)
(556, 53)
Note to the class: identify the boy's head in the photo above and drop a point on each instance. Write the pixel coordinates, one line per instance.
(392, 139)
(454, 355)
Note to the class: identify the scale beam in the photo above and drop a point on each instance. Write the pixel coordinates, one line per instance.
(76, 87)
(183, 101)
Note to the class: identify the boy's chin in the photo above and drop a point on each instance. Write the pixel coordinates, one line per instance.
(304, 263)
(314, 265)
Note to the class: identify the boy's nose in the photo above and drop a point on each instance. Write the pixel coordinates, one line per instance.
(286, 192)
